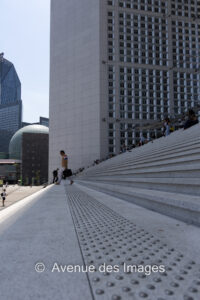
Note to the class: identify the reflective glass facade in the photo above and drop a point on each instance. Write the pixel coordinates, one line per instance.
(10, 90)
(10, 103)
(44, 121)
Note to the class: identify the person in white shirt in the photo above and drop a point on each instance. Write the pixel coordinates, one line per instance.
(64, 166)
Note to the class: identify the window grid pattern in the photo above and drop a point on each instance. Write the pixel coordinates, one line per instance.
(10, 117)
(141, 39)
(157, 58)
(129, 137)
(186, 91)
(111, 107)
(186, 44)
(111, 35)
(144, 94)
(188, 9)
(112, 137)
(155, 6)
(10, 84)
(111, 91)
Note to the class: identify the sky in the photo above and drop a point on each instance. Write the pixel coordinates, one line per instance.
(24, 39)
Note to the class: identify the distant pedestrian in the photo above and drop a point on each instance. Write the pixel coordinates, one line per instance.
(182, 121)
(3, 196)
(64, 166)
(124, 148)
(141, 143)
(167, 127)
(55, 175)
(192, 119)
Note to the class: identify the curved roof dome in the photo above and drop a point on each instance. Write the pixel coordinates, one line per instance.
(16, 141)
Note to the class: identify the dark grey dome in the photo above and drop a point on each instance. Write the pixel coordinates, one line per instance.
(16, 141)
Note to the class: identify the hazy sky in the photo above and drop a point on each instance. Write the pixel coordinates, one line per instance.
(24, 38)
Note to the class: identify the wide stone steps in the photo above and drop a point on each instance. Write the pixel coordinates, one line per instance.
(137, 156)
(186, 171)
(187, 162)
(143, 158)
(178, 185)
(162, 155)
(177, 205)
(159, 176)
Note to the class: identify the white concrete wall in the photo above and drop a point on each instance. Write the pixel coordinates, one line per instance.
(74, 82)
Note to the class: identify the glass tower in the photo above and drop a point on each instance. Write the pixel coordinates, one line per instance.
(10, 103)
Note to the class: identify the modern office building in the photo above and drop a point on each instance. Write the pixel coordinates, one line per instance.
(10, 103)
(35, 148)
(44, 121)
(117, 64)
(30, 146)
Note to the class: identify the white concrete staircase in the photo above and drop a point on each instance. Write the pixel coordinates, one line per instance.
(163, 176)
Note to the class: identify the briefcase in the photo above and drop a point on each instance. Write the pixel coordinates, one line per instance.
(67, 173)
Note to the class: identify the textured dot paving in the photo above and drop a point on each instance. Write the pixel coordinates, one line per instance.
(106, 237)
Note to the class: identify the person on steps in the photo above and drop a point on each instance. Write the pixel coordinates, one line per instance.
(64, 166)
(192, 119)
(55, 175)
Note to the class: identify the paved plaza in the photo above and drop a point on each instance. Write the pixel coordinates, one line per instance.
(16, 193)
(49, 240)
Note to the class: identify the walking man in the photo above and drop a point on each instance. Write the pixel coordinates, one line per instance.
(64, 166)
